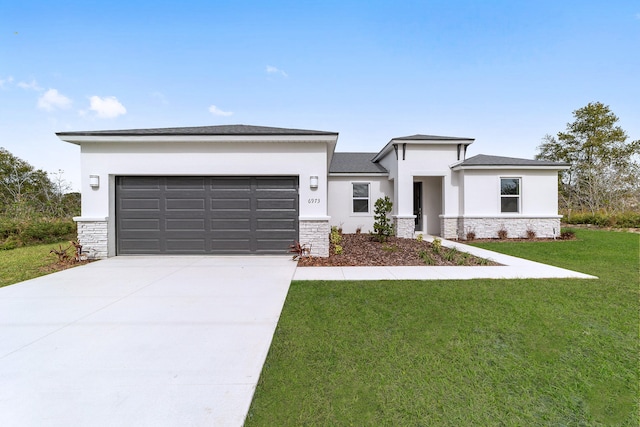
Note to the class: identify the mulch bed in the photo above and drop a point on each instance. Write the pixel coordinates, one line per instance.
(363, 250)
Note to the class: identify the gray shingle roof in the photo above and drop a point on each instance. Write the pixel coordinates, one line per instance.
(355, 163)
(202, 130)
(420, 137)
(486, 160)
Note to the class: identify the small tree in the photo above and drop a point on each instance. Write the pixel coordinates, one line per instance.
(382, 227)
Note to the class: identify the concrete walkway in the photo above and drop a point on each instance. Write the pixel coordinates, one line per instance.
(511, 268)
(139, 341)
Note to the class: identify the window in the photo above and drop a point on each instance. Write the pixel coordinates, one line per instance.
(360, 197)
(509, 195)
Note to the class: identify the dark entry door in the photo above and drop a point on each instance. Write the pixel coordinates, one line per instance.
(417, 204)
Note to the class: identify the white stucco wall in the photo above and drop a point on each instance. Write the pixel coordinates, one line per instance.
(340, 201)
(290, 158)
(538, 192)
(108, 160)
(423, 160)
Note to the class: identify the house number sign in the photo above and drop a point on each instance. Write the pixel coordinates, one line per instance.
(313, 201)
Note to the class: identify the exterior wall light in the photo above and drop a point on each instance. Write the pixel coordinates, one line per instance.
(94, 181)
(313, 181)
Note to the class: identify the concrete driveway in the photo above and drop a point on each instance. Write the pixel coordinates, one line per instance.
(139, 341)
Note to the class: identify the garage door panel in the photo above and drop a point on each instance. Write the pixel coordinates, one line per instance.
(282, 224)
(140, 245)
(137, 204)
(188, 246)
(231, 204)
(185, 224)
(231, 224)
(231, 183)
(231, 245)
(183, 215)
(139, 183)
(179, 204)
(271, 183)
(289, 204)
(182, 183)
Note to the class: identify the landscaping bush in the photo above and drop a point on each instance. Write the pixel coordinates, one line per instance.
(382, 227)
(14, 233)
(627, 219)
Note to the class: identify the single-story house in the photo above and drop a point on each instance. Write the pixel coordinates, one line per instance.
(237, 189)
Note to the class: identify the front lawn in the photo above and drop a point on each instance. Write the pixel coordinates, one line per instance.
(27, 262)
(479, 352)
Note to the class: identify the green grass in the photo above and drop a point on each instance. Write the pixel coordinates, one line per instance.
(463, 353)
(26, 262)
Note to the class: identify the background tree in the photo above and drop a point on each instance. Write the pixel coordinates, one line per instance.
(27, 192)
(604, 169)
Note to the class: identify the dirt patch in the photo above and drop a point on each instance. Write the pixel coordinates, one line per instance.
(59, 266)
(363, 250)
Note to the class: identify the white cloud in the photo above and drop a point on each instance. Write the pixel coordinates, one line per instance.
(218, 112)
(107, 108)
(33, 85)
(274, 70)
(160, 97)
(5, 81)
(53, 99)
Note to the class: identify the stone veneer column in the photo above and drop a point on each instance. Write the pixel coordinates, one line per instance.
(450, 227)
(404, 226)
(92, 235)
(315, 232)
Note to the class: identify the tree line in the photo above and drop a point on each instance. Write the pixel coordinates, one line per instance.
(27, 192)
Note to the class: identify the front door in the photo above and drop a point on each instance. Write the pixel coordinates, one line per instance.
(417, 204)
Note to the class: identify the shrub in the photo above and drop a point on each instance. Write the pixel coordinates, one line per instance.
(628, 219)
(426, 257)
(471, 235)
(531, 234)
(47, 231)
(382, 227)
(436, 245)
(420, 237)
(451, 254)
(502, 234)
(567, 234)
(335, 237)
(15, 233)
(338, 249)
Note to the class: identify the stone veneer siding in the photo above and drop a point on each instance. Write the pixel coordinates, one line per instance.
(488, 227)
(404, 227)
(92, 235)
(316, 234)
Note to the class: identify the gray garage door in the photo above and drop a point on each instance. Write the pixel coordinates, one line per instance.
(200, 215)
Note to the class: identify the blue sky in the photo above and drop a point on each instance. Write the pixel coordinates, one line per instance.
(503, 72)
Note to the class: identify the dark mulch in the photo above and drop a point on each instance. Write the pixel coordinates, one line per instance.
(363, 250)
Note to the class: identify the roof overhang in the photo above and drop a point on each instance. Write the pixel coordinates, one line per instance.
(426, 141)
(509, 167)
(79, 138)
(358, 174)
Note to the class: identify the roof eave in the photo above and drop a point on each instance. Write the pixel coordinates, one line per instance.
(78, 139)
(358, 173)
(511, 167)
(431, 141)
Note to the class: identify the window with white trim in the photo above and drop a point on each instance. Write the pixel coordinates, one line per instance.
(509, 195)
(360, 197)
